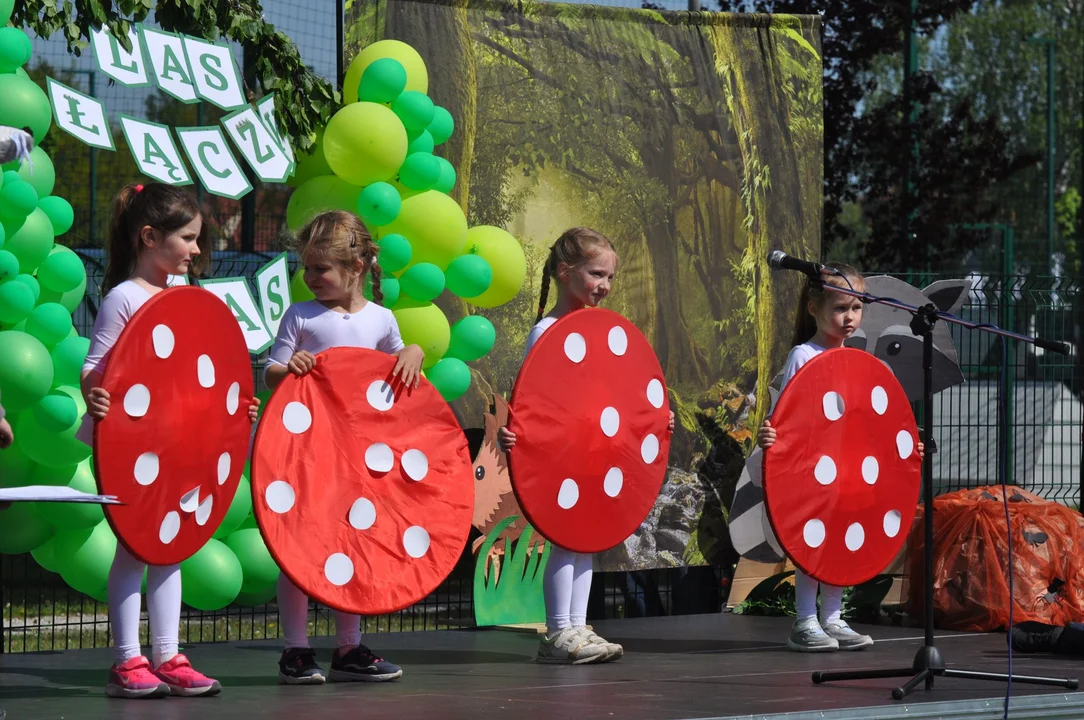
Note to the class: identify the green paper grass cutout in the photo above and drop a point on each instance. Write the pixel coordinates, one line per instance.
(513, 595)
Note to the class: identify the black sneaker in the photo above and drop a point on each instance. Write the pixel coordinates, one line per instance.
(297, 666)
(361, 665)
(1031, 637)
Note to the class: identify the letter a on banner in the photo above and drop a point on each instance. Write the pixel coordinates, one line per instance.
(154, 151)
(216, 166)
(258, 145)
(127, 68)
(170, 64)
(79, 115)
(214, 73)
(238, 297)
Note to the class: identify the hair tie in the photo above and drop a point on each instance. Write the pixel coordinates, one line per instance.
(139, 188)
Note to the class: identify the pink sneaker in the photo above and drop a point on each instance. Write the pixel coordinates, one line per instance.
(134, 679)
(183, 679)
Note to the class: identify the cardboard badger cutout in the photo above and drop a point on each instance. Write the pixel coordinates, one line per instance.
(886, 333)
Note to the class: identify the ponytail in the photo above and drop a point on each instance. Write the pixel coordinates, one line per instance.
(122, 248)
(545, 292)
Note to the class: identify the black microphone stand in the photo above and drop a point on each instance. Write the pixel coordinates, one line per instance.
(928, 662)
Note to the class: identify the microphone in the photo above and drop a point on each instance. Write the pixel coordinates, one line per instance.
(781, 261)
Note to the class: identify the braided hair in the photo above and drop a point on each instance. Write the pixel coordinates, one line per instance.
(576, 245)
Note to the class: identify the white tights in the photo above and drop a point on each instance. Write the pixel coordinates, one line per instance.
(163, 607)
(566, 586)
(294, 612)
(805, 599)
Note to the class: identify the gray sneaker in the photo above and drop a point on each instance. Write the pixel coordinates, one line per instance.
(613, 650)
(569, 647)
(807, 636)
(847, 638)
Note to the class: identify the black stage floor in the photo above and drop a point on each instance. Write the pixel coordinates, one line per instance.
(706, 666)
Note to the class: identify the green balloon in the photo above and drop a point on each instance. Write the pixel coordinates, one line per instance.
(56, 412)
(23, 529)
(391, 289)
(472, 338)
(415, 109)
(210, 579)
(258, 598)
(6, 6)
(9, 265)
(45, 554)
(17, 198)
(70, 515)
(39, 172)
(62, 271)
(15, 467)
(25, 105)
(299, 291)
(446, 181)
(249, 522)
(15, 49)
(423, 282)
(420, 171)
(53, 449)
(382, 81)
(379, 203)
(33, 241)
(469, 276)
(442, 126)
(419, 141)
(70, 300)
(240, 507)
(26, 370)
(259, 570)
(50, 323)
(60, 213)
(16, 303)
(84, 556)
(394, 252)
(31, 282)
(451, 377)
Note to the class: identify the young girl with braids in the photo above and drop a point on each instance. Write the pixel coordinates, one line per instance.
(337, 252)
(584, 264)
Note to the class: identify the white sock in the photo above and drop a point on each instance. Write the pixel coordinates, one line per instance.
(805, 596)
(123, 593)
(581, 589)
(831, 604)
(557, 583)
(164, 611)
(293, 613)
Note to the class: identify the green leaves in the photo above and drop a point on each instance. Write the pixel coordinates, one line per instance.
(306, 100)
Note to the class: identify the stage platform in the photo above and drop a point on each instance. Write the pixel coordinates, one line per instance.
(706, 666)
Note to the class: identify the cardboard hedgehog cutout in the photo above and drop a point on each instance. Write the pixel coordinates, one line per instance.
(886, 333)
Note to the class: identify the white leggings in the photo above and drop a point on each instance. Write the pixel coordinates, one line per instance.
(163, 607)
(805, 599)
(566, 586)
(294, 612)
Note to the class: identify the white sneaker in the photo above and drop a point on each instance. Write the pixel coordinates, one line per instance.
(613, 650)
(808, 636)
(569, 647)
(847, 638)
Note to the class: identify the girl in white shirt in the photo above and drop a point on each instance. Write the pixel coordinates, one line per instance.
(584, 264)
(825, 320)
(337, 252)
(157, 231)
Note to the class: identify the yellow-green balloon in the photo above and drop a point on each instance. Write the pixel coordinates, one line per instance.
(299, 291)
(84, 556)
(68, 357)
(258, 568)
(23, 529)
(408, 57)
(25, 105)
(53, 449)
(318, 195)
(210, 579)
(6, 6)
(365, 143)
(423, 324)
(45, 555)
(505, 257)
(435, 226)
(60, 213)
(39, 172)
(311, 164)
(70, 300)
(70, 515)
(26, 370)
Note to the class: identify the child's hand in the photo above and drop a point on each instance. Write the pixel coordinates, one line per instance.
(670, 425)
(409, 366)
(506, 439)
(7, 435)
(98, 403)
(254, 410)
(921, 451)
(766, 435)
(301, 362)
